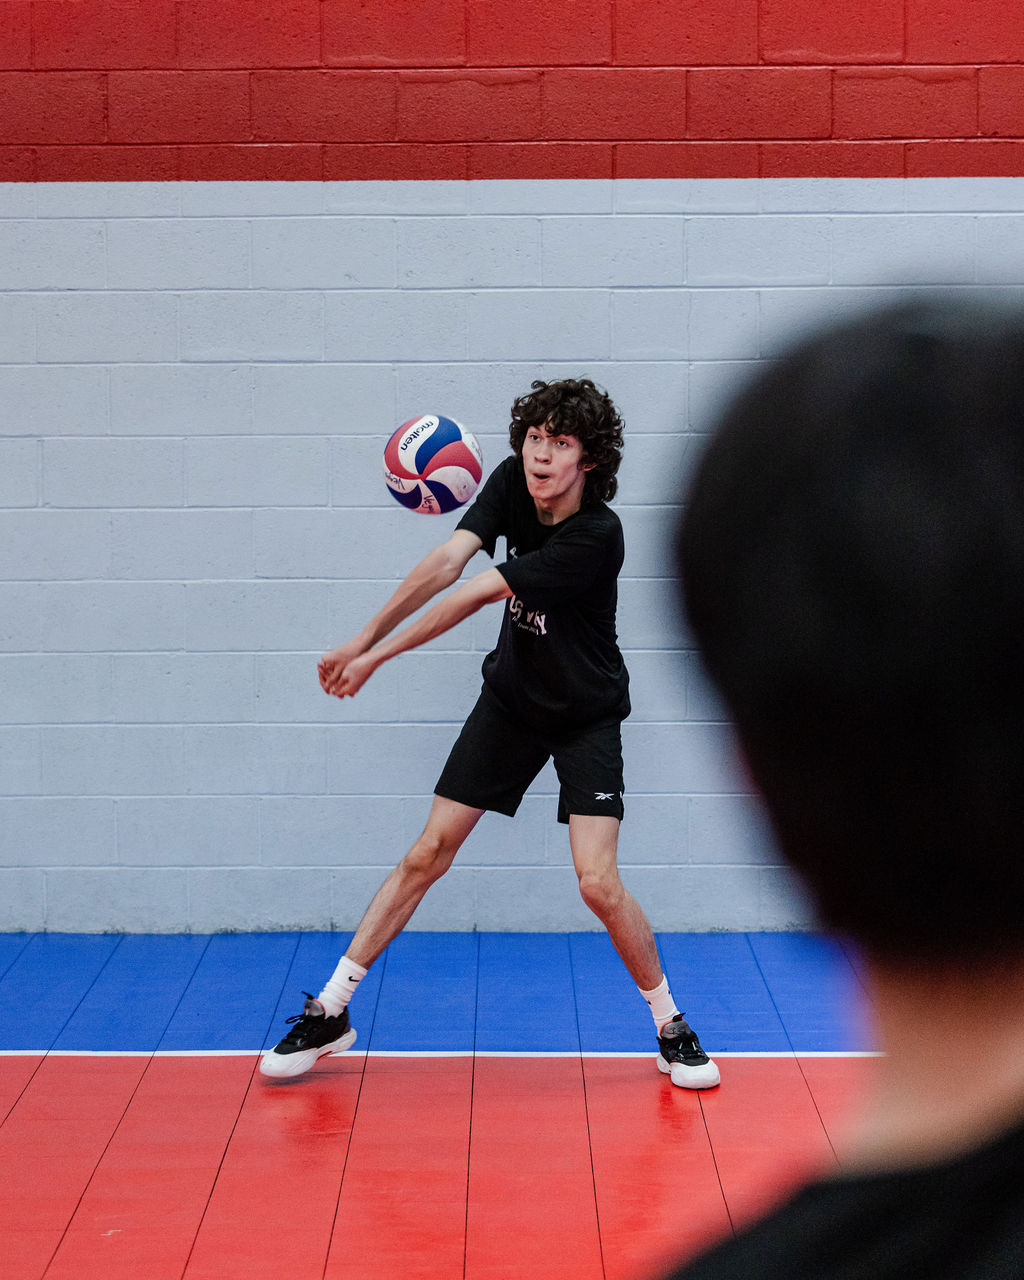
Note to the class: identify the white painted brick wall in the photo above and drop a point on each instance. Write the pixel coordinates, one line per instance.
(196, 382)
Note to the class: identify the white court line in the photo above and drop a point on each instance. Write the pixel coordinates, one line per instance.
(432, 1053)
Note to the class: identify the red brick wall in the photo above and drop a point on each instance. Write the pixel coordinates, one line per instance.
(345, 89)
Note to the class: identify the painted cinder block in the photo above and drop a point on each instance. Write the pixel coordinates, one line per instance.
(863, 161)
(260, 325)
(40, 254)
(769, 250)
(38, 690)
(165, 253)
(983, 31)
(111, 616)
(633, 251)
(227, 471)
(364, 325)
(451, 106)
(330, 399)
(247, 617)
(647, 615)
(19, 473)
(103, 33)
(1000, 103)
(175, 399)
(1000, 249)
(657, 686)
(50, 831)
(337, 831)
(402, 34)
(524, 160)
(112, 760)
(983, 158)
(572, 324)
(438, 253)
(287, 691)
(508, 901)
(20, 617)
(540, 34)
(249, 33)
(914, 102)
(759, 102)
(17, 329)
(108, 164)
(503, 196)
(242, 759)
(903, 249)
(182, 688)
(22, 899)
(713, 383)
(258, 898)
(116, 900)
(56, 400)
(38, 544)
(401, 759)
(181, 545)
(690, 33)
(61, 107)
(687, 758)
(697, 898)
(452, 904)
(185, 831)
(614, 103)
(366, 543)
(325, 106)
(16, 34)
(245, 162)
(225, 198)
(723, 324)
(783, 902)
(729, 830)
(323, 253)
(21, 772)
(382, 162)
(110, 327)
(658, 466)
(805, 31)
(178, 106)
(112, 473)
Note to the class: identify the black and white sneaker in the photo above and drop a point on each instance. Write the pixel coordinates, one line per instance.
(681, 1057)
(312, 1036)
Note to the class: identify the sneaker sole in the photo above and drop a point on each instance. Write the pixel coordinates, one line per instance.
(705, 1076)
(282, 1066)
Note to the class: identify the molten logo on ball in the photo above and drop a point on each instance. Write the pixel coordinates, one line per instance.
(432, 464)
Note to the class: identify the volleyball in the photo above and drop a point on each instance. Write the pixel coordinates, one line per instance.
(432, 464)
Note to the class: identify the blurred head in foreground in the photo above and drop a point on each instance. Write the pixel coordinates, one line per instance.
(852, 556)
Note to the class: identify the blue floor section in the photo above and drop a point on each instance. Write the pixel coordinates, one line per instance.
(430, 992)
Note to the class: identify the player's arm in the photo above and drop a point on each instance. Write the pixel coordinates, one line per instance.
(485, 588)
(435, 572)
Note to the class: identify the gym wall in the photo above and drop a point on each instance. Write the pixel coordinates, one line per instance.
(240, 242)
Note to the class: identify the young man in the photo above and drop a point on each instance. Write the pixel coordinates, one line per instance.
(853, 563)
(555, 687)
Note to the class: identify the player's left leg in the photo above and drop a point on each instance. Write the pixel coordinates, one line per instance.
(594, 842)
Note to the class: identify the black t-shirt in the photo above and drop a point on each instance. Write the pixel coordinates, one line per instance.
(962, 1219)
(557, 661)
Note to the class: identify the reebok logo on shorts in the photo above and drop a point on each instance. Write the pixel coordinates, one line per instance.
(604, 795)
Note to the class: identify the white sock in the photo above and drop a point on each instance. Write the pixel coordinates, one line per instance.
(341, 986)
(663, 1007)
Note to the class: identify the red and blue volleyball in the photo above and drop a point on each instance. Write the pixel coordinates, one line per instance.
(432, 464)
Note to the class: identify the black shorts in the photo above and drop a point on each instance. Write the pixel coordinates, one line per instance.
(496, 757)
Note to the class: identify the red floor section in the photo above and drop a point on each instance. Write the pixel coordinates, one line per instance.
(390, 1168)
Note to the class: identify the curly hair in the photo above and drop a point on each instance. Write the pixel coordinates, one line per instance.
(574, 407)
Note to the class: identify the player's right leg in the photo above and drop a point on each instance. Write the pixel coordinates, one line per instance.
(323, 1027)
